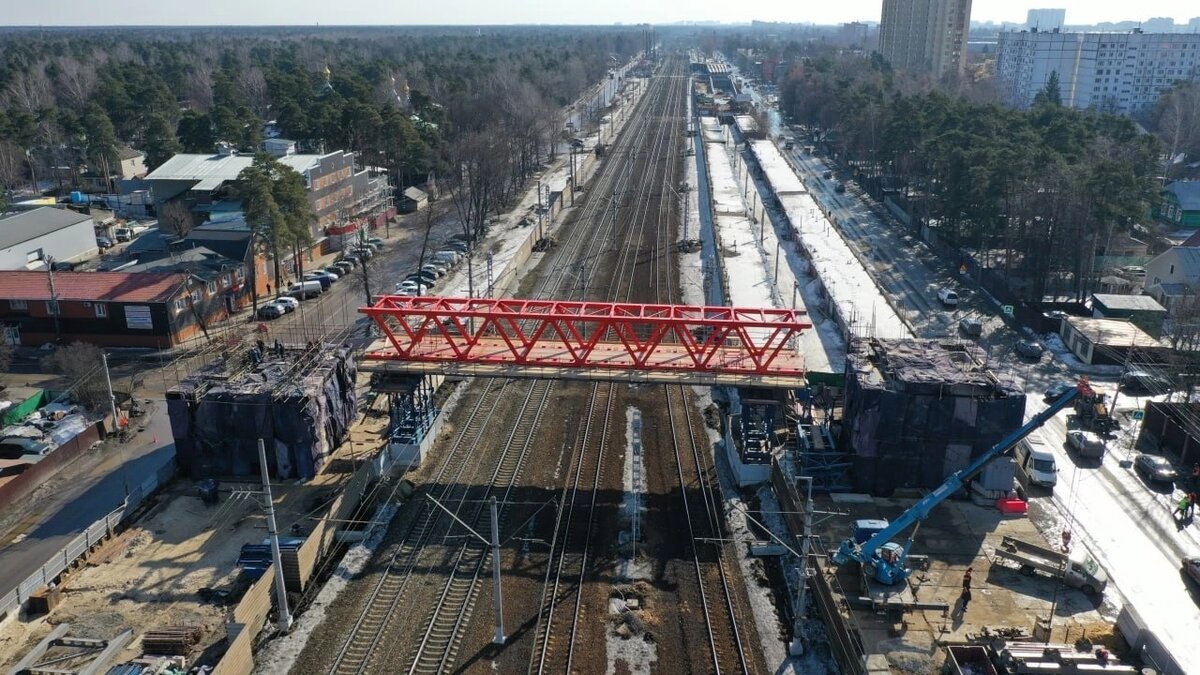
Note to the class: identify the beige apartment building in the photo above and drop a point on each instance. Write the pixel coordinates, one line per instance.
(925, 36)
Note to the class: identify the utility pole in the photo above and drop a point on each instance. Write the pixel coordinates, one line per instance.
(53, 297)
(284, 617)
(805, 547)
(112, 399)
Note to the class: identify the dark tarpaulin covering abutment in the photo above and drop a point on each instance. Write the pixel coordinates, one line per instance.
(301, 404)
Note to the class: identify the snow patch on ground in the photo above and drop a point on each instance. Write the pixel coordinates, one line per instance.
(631, 566)
(1055, 344)
(280, 654)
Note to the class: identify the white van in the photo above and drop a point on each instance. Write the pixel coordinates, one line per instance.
(305, 289)
(1036, 461)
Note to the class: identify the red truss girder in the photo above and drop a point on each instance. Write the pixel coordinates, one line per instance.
(554, 333)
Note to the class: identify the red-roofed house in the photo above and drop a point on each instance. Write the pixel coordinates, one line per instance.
(110, 309)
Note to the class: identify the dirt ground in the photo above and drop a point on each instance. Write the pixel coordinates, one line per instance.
(958, 535)
(150, 575)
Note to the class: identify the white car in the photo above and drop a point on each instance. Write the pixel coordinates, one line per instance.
(948, 297)
(288, 303)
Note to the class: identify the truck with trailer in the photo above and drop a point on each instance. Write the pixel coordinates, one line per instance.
(1077, 569)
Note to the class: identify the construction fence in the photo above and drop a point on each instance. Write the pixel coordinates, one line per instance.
(69, 555)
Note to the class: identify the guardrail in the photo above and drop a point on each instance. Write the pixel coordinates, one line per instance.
(11, 603)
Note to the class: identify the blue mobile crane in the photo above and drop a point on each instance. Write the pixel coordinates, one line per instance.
(886, 560)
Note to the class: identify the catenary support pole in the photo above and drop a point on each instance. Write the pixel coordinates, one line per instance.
(284, 616)
(499, 595)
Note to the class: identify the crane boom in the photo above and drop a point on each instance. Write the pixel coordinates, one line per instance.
(893, 569)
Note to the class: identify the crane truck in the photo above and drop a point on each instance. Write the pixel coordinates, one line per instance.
(886, 560)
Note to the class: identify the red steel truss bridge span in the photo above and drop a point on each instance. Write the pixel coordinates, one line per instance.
(615, 341)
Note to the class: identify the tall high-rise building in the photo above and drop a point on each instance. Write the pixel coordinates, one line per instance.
(925, 36)
(1046, 19)
(1114, 72)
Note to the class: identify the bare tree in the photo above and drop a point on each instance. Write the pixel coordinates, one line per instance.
(176, 217)
(12, 165)
(76, 81)
(477, 181)
(254, 84)
(1183, 328)
(80, 362)
(31, 90)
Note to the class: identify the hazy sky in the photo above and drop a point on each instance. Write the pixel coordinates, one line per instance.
(258, 12)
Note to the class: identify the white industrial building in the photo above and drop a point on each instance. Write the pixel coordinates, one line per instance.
(28, 240)
(1114, 72)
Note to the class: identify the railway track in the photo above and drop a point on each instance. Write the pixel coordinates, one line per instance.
(701, 503)
(363, 641)
(443, 633)
(554, 639)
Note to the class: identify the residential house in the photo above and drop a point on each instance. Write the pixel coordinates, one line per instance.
(413, 199)
(1106, 341)
(231, 246)
(131, 164)
(1173, 275)
(110, 309)
(29, 240)
(1180, 204)
(1143, 310)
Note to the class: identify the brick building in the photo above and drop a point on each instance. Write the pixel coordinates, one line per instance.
(109, 309)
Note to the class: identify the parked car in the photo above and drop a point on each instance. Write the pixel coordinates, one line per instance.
(342, 267)
(350, 258)
(408, 291)
(1057, 391)
(1143, 380)
(437, 268)
(325, 281)
(305, 289)
(289, 304)
(364, 254)
(839, 187)
(1135, 272)
(1086, 443)
(104, 243)
(448, 257)
(123, 234)
(1036, 461)
(376, 240)
(270, 311)
(335, 271)
(948, 297)
(827, 175)
(970, 326)
(1030, 349)
(423, 276)
(1155, 469)
(20, 447)
(1191, 567)
(455, 245)
(373, 246)
(331, 276)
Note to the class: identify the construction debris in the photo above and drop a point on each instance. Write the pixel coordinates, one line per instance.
(172, 640)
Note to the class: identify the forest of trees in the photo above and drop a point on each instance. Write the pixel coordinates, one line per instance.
(399, 97)
(1041, 190)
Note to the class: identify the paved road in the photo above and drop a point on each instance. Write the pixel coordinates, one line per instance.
(80, 502)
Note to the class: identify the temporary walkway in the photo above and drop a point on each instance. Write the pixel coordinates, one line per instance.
(588, 340)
